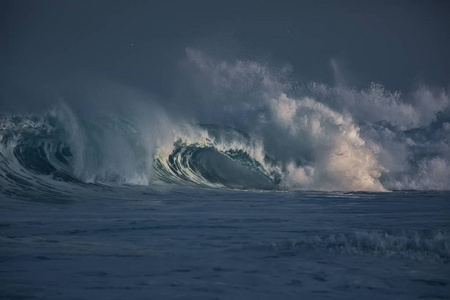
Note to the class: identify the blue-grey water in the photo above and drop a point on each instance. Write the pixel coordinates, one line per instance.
(224, 149)
(104, 208)
(169, 242)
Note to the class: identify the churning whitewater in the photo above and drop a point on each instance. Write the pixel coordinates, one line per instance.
(262, 132)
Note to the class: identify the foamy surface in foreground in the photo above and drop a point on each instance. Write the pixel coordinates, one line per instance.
(142, 243)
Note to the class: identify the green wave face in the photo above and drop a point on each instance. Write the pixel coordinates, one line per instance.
(223, 160)
(42, 150)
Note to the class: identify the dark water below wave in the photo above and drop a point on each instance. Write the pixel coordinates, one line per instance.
(169, 242)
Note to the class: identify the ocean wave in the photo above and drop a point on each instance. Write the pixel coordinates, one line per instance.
(35, 149)
(256, 130)
(221, 157)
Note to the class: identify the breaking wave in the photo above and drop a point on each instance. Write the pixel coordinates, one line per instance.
(38, 151)
(223, 157)
(264, 133)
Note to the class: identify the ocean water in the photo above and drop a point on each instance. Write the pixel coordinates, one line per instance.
(259, 189)
(165, 242)
(218, 220)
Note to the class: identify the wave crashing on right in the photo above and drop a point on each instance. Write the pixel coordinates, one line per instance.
(249, 127)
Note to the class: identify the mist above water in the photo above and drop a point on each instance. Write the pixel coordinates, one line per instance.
(265, 130)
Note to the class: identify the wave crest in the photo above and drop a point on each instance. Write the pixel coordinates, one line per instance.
(220, 157)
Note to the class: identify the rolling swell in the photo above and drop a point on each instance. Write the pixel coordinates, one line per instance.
(36, 153)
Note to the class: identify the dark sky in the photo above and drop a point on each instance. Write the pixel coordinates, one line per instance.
(141, 43)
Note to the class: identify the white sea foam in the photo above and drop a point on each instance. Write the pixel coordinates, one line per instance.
(332, 137)
(300, 136)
